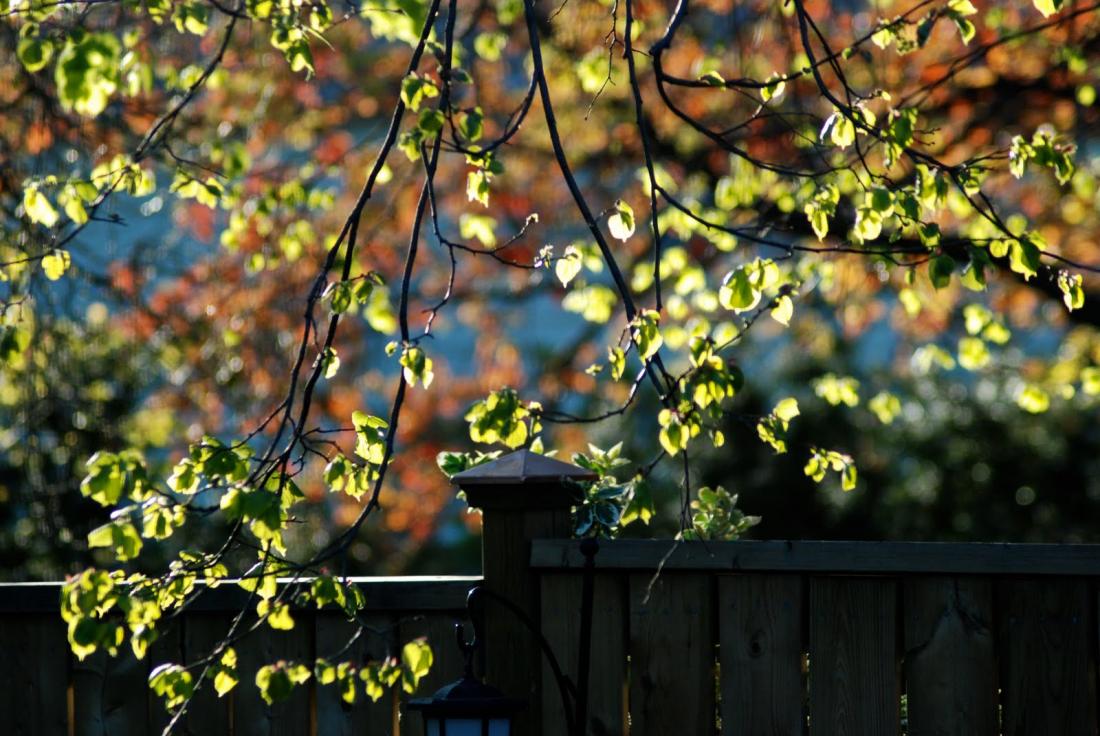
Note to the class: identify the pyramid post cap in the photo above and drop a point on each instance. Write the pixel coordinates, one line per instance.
(523, 480)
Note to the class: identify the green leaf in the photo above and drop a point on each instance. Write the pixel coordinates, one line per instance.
(621, 223)
(471, 124)
(160, 517)
(973, 353)
(225, 677)
(276, 682)
(417, 366)
(617, 359)
(848, 477)
(837, 390)
(370, 432)
(1024, 257)
(940, 270)
(737, 293)
(173, 683)
(500, 417)
(821, 207)
(822, 461)
(13, 341)
(430, 121)
(278, 615)
(839, 129)
(55, 264)
(885, 406)
(1073, 294)
(783, 310)
(478, 226)
(715, 516)
(910, 301)
(192, 18)
(1090, 381)
(569, 265)
(675, 434)
(1048, 7)
(881, 201)
(772, 429)
(773, 89)
(415, 89)
(416, 661)
(966, 28)
(38, 207)
(120, 535)
(477, 187)
(330, 362)
(34, 52)
(787, 409)
(868, 225)
(713, 78)
(1033, 399)
(87, 73)
(647, 334)
(490, 45)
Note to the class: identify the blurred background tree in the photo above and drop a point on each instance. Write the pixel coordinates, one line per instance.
(171, 308)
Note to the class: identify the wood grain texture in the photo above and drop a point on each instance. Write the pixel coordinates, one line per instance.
(110, 694)
(166, 649)
(34, 676)
(208, 713)
(291, 717)
(761, 649)
(561, 624)
(448, 665)
(854, 689)
(378, 641)
(950, 668)
(672, 669)
(827, 557)
(1046, 637)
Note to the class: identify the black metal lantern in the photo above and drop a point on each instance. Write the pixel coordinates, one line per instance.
(468, 707)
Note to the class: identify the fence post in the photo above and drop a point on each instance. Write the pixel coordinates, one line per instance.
(522, 496)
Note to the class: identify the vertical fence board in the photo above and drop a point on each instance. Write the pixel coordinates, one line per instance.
(447, 661)
(672, 686)
(291, 717)
(561, 625)
(110, 694)
(1047, 662)
(378, 641)
(34, 675)
(167, 648)
(949, 657)
(853, 665)
(760, 651)
(208, 714)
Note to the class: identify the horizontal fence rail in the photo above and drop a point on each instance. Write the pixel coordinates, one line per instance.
(45, 691)
(838, 557)
(830, 638)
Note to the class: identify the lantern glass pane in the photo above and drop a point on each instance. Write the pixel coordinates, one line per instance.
(469, 727)
(464, 727)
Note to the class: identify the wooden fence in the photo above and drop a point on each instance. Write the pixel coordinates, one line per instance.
(44, 691)
(831, 638)
(688, 639)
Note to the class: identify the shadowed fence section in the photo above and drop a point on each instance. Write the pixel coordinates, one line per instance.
(44, 691)
(832, 638)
